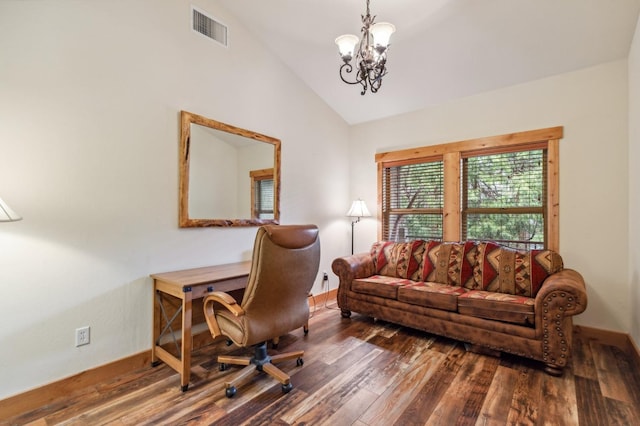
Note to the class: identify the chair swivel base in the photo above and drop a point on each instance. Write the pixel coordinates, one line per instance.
(260, 362)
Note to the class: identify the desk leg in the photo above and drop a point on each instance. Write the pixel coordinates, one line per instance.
(156, 327)
(185, 374)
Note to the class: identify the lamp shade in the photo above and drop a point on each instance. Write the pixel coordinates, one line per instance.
(358, 209)
(381, 33)
(347, 45)
(6, 214)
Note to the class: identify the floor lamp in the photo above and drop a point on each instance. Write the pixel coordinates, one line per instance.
(358, 209)
(6, 214)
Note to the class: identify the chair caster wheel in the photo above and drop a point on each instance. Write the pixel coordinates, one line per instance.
(299, 362)
(223, 366)
(230, 391)
(287, 388)
(306, 330)
(184, 388)
(229, 342)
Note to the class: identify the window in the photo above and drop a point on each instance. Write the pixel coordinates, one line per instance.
(503, 198)
(501, 188)
(413, 199)
(262, 191)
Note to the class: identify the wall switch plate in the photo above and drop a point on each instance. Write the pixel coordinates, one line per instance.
(82, 336)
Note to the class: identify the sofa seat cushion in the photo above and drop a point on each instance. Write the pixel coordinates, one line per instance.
(379, 285)
(431, 295)
(497, 306)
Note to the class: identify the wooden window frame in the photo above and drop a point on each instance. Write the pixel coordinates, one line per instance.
(452, 153)
(255, 176)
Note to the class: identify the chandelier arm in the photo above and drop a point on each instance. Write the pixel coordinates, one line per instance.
(347, 69)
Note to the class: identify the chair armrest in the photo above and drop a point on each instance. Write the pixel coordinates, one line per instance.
(226, 301)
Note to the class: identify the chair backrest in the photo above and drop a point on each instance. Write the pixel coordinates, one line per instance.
(284, 266)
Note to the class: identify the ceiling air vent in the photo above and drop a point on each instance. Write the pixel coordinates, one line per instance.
(208, 27)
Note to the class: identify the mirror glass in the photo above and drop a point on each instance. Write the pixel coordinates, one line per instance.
(229, 176)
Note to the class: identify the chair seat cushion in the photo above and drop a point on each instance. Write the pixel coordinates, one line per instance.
(231, 326)
(497, 306)
(431, 295)
(379, 285)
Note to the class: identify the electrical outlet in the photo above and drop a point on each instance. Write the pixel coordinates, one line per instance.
(325, 277)
(83, 336)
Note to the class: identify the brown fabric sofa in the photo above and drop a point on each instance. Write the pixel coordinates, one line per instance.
(483, 294)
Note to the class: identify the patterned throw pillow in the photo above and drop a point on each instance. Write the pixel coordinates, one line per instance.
(401, 260)
(455, 263)
(505, 270)
(430, 260)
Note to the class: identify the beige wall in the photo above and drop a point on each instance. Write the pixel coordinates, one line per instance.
(634, 184)
(90, 94)
(591, 104)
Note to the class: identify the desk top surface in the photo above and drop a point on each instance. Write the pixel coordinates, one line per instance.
(206, 274)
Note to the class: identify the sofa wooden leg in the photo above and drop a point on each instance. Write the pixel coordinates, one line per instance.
(346, 313)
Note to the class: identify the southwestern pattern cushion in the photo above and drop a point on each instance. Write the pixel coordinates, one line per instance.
(497, 306)
(504, 270)
(401, 260)
(430, 260)
(455, 264)
(431, 295)
(379, 285)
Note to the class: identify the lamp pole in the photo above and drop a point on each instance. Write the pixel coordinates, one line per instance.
(353, 223)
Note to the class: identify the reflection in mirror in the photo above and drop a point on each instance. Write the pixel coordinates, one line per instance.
(228, 176)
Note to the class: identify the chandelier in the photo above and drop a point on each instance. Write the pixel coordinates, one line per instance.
(371, 56)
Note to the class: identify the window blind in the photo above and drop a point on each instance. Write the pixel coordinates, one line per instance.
(264, 198)
(412, 200)
(504, 198)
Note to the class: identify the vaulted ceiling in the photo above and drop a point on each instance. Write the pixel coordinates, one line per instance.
(442, 49)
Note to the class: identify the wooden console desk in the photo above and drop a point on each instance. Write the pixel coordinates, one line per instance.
(174, 294)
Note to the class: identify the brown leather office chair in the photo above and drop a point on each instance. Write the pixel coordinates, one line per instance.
(283, 268)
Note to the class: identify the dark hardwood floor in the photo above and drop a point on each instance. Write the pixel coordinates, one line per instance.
(360, 372)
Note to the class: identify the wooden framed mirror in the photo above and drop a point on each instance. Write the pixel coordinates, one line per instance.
(229, 176)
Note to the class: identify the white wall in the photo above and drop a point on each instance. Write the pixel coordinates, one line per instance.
(89, 129)
(634, 184)
(591, 104)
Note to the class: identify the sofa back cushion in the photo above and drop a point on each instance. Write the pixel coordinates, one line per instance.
(399, 260)
(505, 270)
(454, 264)
(429, 261)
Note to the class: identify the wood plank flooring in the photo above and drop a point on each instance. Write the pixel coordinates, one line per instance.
(363, 372)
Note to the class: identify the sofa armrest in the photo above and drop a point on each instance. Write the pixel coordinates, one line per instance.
(562, 295)
(348, 268)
